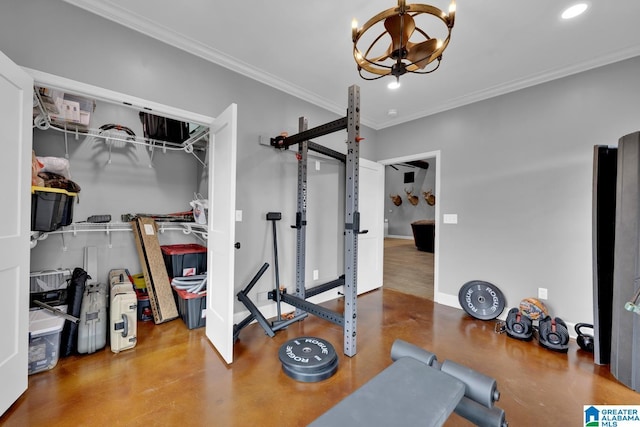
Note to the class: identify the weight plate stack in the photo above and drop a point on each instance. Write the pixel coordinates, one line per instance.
(308, 359)
(482, 300)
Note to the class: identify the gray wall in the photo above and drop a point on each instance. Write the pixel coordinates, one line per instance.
(116, 182)
(517, 170)
(104, 54)
(400, 217)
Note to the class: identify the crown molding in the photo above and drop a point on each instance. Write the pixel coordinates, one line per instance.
(169, 36)
(173, 38)
(515, 85)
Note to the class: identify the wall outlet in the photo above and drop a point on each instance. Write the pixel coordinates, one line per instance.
(542, 293)
(316, 274)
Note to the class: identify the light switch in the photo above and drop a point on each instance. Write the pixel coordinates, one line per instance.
(450, 218)
(238, 216)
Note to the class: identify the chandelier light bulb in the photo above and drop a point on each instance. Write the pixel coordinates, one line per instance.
(394, 84)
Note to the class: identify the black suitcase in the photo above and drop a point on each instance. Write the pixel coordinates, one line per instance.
(75, 291)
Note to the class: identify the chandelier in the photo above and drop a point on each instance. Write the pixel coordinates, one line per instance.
(420, 55)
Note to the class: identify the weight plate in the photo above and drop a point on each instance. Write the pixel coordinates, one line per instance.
(311, 377)
(481, 300)
(308, 359)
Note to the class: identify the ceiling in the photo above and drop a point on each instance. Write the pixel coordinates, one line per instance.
(304, 48)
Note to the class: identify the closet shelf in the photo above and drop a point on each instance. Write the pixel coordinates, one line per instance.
(108, 228)
(198, 139)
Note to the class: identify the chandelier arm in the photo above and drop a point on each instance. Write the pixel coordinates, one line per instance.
(421, 31)
(371, 78)
(382, 57)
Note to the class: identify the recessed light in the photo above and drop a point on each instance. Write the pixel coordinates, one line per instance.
(392, 112)
(575, 10)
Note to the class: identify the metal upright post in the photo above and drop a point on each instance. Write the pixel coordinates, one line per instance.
(352, 221)
(301, 215)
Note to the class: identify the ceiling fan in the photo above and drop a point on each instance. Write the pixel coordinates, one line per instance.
(411, 49)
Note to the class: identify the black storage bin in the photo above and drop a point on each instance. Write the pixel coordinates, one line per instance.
(192, 308)
(47, 208)
(184, 259)
(163, 129)
(67, 213)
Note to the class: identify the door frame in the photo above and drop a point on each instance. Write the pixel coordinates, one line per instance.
(106, 95)
(370, 271)
(109, 96)
(436, 253)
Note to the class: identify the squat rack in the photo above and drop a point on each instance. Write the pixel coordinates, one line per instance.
(352, 218)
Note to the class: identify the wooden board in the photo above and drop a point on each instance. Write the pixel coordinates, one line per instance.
(163, 305)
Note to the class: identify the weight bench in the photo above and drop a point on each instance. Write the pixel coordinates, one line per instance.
(416, 390)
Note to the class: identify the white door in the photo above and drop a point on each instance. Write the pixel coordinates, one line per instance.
(371, 207)
(16, 94)
(221, 240)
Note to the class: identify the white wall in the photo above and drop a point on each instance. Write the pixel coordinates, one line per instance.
(517, 170)
(104, 54)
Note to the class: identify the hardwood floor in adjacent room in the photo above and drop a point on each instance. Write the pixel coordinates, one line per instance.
(406, 269)
(174, 377)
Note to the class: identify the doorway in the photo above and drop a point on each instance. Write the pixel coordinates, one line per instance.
(406, 268)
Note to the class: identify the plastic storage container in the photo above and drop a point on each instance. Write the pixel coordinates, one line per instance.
(192, 308)
(44, 340)
(67, 211)
(139, 282)
(48, 280)
(51, 208)
(49, 287)
(144, 305)
(185, 259)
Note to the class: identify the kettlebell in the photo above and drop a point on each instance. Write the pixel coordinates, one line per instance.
(585, 341)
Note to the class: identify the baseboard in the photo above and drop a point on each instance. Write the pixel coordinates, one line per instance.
(393, 236)
(446, 299)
